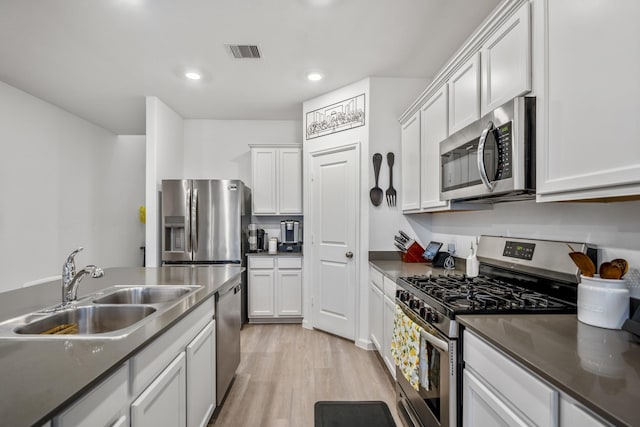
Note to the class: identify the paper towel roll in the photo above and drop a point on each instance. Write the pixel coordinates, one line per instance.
(273, 245)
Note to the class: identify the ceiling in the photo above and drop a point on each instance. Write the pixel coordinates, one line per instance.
(99, 59)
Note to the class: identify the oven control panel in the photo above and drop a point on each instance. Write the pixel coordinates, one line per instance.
(520, 250)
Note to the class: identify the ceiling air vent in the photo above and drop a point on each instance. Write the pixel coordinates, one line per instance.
(244, 51)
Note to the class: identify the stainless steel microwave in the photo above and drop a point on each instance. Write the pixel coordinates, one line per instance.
(493, 159)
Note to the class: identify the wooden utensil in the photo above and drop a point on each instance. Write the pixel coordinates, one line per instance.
(622, 264)
(610, 271)
(583, 262)
(376, 193)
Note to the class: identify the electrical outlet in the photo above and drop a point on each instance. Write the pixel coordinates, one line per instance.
(451, 248)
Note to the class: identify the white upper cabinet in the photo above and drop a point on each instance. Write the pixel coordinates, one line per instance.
(589, 125)
(276, 180)
(290, 181)
(464, 94)
(410, 164)
(264, 181)
(434, 128)
(506, 61)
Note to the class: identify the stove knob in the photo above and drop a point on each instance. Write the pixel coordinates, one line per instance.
(414, 304)
(432, 317)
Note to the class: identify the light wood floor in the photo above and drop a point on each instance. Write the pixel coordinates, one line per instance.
(285, 369)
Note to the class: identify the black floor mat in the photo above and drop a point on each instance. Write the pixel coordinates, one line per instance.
(353, 414)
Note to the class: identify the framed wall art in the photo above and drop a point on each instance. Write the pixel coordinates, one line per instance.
(343, 115)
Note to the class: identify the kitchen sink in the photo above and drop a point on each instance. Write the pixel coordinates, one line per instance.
(88, 320)
(145, 294)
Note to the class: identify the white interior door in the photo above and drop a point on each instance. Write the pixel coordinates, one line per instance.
(334, 205)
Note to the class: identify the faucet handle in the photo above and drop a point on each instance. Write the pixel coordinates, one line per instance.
(69, 267)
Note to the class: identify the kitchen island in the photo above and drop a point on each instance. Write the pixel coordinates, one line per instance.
(43, 376)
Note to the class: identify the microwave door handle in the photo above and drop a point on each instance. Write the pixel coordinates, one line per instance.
(481, 166)
(194, 217)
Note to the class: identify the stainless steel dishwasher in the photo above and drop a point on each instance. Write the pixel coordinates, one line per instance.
(228, 323)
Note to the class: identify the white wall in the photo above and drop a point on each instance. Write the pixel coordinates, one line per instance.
(54, 195)
(219, 149)
(164, 160)
(389, 98)
(613, 227)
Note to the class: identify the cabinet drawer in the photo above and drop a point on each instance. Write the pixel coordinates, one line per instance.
(289, 262)
(525, 392)
(147, 364)
(389, 288)
(261, 262)
(102, 406)
(376, 277)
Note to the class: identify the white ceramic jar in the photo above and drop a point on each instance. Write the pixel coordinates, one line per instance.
(603, 302)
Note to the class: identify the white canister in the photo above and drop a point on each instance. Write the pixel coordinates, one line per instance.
(273, 245)
(603, 302)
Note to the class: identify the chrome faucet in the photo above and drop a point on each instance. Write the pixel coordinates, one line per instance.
(71, 279)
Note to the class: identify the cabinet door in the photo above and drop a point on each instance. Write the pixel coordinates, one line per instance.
(506, 61)
(481, 407)
(290, 181)
(289, 293)
(261, 293)
(574, 415)
(201, 377)
(163, 403)
(464, 94)
(387, 331)
(589, 146)
(434, 124)
(101, 406)
(376, 314)
(264, 180)
(410, 163)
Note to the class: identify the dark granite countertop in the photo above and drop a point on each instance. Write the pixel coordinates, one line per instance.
(39, 377)
(395, 269)
(599, 368)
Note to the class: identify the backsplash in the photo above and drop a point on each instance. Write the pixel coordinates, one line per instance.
(613, 227)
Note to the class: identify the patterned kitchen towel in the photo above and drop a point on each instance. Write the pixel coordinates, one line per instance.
(424, 363)
(405, 347)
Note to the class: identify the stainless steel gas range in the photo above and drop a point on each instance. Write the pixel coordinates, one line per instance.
(516, 276)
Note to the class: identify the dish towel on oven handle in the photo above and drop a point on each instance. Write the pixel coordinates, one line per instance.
(405, 347)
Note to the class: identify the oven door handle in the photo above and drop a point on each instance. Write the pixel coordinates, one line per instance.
(481, 166)
(437, 342)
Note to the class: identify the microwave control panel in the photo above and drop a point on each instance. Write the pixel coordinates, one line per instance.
(503, 138)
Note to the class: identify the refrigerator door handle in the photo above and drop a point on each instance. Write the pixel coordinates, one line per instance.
(188, 233)
(194, 218)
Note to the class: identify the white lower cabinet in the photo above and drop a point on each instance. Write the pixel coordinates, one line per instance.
(388, 311)
(163, 403)
(382, 306)
(498, 391)
(201, 377)
(274, 291)
(104, 405)
(171, 382)
(376, 302)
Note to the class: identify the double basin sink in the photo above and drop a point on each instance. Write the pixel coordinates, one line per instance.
(112, 313)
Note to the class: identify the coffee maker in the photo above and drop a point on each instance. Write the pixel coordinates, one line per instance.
(290, 236)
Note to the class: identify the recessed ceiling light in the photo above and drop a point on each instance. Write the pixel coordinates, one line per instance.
(193, 75)
(314, 77)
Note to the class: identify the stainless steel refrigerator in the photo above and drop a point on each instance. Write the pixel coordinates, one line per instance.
(204, 221)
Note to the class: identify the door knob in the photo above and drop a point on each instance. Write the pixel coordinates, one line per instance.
(349, 254)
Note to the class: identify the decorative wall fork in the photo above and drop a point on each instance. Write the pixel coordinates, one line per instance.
(391, 192)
